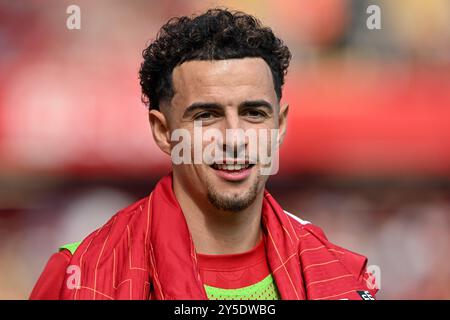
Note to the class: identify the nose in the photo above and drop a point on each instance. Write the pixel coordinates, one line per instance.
(234, 143)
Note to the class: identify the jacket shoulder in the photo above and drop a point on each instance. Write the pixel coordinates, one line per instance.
(51, 279)
(124, 215)
(354, 262)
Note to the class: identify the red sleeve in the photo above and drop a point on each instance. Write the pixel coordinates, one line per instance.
(50, 282)
(354, 262)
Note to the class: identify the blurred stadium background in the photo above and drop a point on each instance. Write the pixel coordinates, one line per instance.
(367, 154)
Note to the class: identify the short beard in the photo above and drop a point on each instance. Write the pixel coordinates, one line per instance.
(233, 203)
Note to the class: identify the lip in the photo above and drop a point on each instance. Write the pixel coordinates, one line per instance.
(234, 176)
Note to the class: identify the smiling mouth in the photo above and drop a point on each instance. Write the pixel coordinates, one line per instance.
(231, 167)
(233, 172)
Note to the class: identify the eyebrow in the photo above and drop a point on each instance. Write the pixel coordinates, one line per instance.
(256, 103)
(201, 106)
(215, 106)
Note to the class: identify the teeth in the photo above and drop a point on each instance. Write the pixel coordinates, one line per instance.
(231, 167)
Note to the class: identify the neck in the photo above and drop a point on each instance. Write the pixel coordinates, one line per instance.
(216, 231)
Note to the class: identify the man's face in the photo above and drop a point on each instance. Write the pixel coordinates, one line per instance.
(223, 95)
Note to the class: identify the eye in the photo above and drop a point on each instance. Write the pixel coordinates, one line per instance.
(255, 113)
(204, 116)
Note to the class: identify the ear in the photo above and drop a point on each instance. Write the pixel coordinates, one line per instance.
(160, 130)
(282, 122)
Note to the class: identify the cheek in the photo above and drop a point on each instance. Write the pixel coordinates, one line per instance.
(263, 140)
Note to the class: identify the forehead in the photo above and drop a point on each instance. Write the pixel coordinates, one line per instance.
(224, 81)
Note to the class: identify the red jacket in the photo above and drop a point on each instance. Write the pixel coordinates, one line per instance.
(145, 251)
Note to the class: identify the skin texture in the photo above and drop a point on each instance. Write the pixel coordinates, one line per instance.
(223, 217)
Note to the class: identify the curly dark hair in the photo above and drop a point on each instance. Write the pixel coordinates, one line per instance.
(217, 34)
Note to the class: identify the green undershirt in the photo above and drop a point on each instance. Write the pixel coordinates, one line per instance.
(265, 289)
